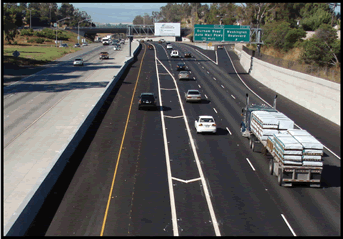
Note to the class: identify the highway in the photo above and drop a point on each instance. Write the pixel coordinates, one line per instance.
(147, 172)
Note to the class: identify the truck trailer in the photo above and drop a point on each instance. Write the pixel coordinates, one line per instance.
(296, 156)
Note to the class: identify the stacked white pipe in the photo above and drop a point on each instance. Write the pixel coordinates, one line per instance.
(291, 146)
(312, 148)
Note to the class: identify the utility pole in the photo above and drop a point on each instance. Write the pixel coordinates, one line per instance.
(30, 17)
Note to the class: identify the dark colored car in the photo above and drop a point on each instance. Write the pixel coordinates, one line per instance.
(150, 47)
(147, 100)
(180, 66)
(77, 45)
(188, 54)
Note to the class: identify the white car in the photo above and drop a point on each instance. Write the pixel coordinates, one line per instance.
(174, 53)
(85, 44)
(169, 46)
(78, 62)
(205, 124)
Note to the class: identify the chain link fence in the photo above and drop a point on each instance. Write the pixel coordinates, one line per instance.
(328, 73)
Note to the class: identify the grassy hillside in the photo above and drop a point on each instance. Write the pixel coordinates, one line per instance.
(34, 54)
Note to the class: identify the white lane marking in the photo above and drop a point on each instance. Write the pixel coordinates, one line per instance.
(270, 105)
(228, 130)
(217, 58)
(173, 117)
(222, 86)
(206, 96)
(167, 89)
(193, 77)
(289, 226)
(206, 57)
(199, 86)
(208, 72)
(202, 67)
(203, 181)
(250, 164)
(215, 110)
(186, 181)
(214, 78)
(170, 181)
(233, 97)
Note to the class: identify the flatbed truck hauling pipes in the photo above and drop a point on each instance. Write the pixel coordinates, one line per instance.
(295, 156)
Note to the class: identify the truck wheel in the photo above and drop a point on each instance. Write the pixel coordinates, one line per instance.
(271, 166)
(279, 178)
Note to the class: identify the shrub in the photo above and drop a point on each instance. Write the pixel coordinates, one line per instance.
(26, 32)
(39, 40)
(15, 43)
(31, 41)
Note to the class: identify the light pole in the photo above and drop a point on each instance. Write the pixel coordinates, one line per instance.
(30, 17)
(50, 13)
(57, 25)
(78, 30)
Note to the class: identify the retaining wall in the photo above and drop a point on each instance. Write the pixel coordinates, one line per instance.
(318, 95)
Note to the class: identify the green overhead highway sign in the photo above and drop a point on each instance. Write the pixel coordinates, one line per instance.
(221, 33)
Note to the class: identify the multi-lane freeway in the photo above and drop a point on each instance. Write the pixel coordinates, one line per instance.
(148, 173)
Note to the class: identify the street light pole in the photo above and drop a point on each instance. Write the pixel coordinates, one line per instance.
(57, 25)
(30, 17)
(78, 30)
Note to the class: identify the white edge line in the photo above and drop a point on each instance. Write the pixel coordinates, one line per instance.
(203, 181)
(205, 56)
(289, 226)
(250, 164)
(170, 181)
(269, 104)
(228, 130)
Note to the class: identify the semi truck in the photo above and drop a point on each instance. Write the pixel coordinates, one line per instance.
(295, 156)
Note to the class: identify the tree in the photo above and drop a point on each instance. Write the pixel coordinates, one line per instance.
(138, 20)
(11, 21)
(314, 15)
(281, 36)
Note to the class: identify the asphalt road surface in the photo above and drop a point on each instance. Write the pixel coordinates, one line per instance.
(147, 172)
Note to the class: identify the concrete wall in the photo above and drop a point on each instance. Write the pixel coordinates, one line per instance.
(316, 94)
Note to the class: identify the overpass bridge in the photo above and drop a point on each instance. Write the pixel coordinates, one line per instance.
(135, 30)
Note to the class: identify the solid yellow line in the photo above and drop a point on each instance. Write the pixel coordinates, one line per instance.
(122, 141)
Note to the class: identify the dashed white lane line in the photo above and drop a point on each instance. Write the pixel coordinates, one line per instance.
(193, 78)
(215, 110)
(250, 164)
(206, 96)
(228, 130)
(208, 72)
(233, 97)
(199, 86)
(214, 78)
(289, 226)
(222, 86)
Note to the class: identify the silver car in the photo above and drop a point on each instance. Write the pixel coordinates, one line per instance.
(78, 62)
(193, 95)
(183, 75)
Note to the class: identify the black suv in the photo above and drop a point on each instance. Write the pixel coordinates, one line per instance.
(147, 100)
(181, 66)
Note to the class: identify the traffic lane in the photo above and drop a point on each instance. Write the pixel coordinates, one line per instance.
(81, 211)
(191, 208)
(148, 210)
(222, 110)
(291, 109)
(90, 195)
(208, 148)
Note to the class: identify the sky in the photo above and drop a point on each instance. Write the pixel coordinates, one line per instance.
(121, 12)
